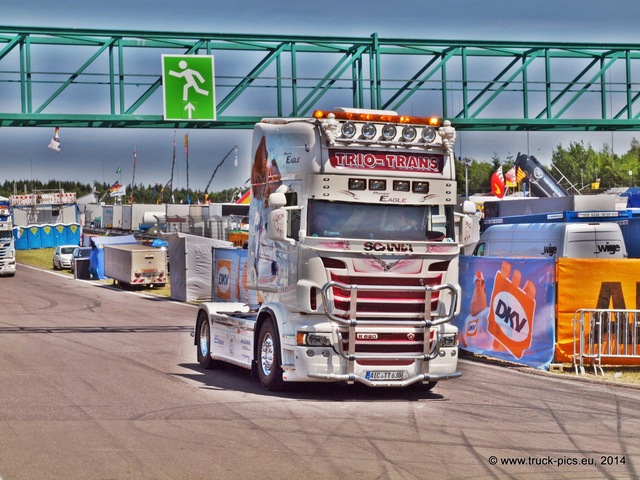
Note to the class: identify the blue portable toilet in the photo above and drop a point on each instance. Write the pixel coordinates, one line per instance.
(32, 237)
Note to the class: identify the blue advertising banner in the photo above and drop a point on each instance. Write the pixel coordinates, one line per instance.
(508, 309)
(230, 283)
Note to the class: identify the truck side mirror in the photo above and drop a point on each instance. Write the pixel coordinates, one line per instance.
(277, 227)
(278, 199)
(468, 207)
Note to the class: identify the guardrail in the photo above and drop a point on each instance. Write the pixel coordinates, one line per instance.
(610, 334)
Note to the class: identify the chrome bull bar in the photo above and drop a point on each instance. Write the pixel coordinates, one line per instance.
(428, 320)
(352, 378)
(428, 317)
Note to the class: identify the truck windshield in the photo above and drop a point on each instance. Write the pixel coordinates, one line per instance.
(376, 221)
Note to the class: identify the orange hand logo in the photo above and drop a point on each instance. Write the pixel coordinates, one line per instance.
(512, 309)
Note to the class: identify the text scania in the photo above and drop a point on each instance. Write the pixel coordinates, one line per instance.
(387, 161)
(387, 247)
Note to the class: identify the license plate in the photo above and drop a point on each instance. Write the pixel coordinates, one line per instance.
(384, 375)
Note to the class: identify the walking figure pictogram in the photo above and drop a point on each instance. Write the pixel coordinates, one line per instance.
(192, 78)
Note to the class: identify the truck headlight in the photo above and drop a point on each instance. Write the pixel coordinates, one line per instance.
(348, 130)
(429, 134)
(449, 340)
(368, 131)
(409, 133)
(389, 132)
(313, 339)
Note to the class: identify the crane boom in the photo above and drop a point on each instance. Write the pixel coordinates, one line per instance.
(235, 148)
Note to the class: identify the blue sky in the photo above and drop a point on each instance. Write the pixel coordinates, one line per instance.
(92, 154)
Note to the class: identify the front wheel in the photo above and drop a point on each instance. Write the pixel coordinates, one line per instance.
(268, 358)
(204, 343)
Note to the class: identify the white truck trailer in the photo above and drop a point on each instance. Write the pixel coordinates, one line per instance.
(135, 265)
(352, 259)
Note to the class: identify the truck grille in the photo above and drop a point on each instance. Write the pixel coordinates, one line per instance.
(394, 303)
(396, 342)
(388, 345)
(388, 318)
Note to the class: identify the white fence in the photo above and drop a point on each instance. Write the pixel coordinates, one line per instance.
(605, 334)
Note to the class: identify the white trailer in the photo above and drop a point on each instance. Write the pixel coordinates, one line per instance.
(137, 265)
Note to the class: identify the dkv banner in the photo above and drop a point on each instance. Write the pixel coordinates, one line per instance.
(230, 277)
(508, 309)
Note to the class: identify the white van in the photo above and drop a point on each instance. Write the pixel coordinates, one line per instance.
(572, 240)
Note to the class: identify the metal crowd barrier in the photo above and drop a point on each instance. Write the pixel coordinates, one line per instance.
(607, 334)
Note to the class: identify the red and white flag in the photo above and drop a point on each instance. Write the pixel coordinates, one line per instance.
(497, 183)
(510, 178)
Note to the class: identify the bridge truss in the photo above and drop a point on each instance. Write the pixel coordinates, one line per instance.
(97, 78)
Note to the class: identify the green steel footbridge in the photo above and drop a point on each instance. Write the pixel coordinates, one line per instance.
(99, 78)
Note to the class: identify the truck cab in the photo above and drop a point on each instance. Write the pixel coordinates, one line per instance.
(352, 252)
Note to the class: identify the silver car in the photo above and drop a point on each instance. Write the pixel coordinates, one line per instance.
(62, 256)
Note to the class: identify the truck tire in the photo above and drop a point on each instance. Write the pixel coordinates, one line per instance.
(268, 357)
(203, 335)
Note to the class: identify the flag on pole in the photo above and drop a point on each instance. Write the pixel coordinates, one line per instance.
(186, 155)
(118, 170)
(510, 177)
(133, 178)
(117, 190)
(497, 183)
(54, 144)
(520, 174)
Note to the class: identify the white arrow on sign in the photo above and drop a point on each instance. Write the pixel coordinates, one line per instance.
(190, 109)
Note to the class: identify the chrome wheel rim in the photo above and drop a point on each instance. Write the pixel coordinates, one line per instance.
(266, 354)
(204, 339)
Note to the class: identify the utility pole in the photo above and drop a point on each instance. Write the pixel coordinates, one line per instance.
(466, 162)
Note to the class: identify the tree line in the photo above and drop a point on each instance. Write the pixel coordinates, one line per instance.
(148, 194)
(578, 168)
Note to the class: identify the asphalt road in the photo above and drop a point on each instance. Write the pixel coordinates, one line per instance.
(97, 383)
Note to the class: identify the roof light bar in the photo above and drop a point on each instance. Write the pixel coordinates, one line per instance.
(377, 117)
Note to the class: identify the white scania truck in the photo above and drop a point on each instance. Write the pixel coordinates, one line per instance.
(7, 243)
(352, 255)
